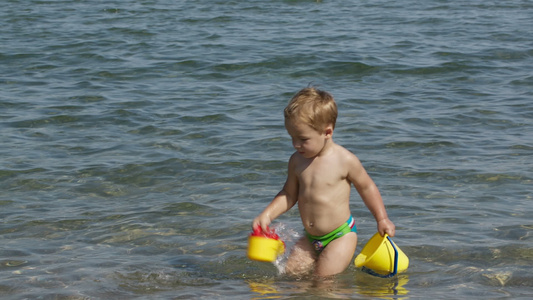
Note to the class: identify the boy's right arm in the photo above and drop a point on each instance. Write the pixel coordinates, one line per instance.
(278, 206)
(283, 201)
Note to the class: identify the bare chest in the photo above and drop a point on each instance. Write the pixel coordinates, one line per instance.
(322, 174)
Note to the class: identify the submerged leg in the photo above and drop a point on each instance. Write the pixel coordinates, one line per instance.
(337, 256)
(301, 259)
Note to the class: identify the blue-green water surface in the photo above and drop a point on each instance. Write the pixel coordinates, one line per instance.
(139, 138)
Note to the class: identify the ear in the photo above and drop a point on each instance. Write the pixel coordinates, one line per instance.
(328, 131)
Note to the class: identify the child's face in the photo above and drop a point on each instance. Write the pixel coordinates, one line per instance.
(306, 140)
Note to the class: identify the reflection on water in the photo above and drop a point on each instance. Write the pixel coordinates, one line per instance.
(264, 290)
(340, 287)
(384, 288)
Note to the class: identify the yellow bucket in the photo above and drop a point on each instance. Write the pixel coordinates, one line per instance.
(382, 257)
(261, 248)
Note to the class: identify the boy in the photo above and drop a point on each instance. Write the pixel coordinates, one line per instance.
(320, 173)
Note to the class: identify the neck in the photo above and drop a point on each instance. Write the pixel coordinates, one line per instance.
(328, 143)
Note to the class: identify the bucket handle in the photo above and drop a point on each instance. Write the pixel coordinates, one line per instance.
(394, 271)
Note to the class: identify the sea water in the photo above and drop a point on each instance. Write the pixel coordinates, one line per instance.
(139, 138)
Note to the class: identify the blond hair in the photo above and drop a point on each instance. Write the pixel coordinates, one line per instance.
(314, 107)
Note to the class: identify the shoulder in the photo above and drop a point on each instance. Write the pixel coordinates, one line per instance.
(356, 173)
(294, 160)
(294, 157)
(349, 161)
(345, 155)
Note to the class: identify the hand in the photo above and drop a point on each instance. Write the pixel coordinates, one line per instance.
(386, 226)
(261, 221)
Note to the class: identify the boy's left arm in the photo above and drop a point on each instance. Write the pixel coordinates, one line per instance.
(371, 196)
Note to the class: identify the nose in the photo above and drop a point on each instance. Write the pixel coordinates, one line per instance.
(296, 145)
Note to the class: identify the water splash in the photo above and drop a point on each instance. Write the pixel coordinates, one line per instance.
(289, 236)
